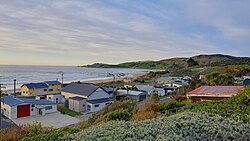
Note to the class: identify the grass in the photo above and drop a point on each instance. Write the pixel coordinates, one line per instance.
(67, 111)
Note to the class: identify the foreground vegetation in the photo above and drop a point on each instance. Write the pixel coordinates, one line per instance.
(183, 126)
(67, 111)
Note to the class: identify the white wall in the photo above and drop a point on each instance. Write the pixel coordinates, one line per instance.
(99, 94)
(54, 97)
(95, 109)
(54, 108)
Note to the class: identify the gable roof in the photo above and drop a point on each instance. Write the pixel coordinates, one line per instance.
(36, 85)
(246, 82)
(53, 82)
(12, 101)
(225, 91)
(84, 89)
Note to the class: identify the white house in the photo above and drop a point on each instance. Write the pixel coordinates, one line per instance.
(14, 107)
(134, 95)
(96, 97)
(57, 98)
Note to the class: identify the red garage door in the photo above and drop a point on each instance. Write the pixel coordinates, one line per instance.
(23, 111)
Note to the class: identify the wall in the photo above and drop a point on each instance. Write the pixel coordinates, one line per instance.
(8, 111)
(56, 89)
(54, 108)
(54, 97)
(199, 99)
(68, 95)
(77, 105)
(98, 94)
(95, 109)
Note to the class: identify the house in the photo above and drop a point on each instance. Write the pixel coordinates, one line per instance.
(211, 93)
(57, 98)
(77, 104)
(43, 88)
(146, 88)
(176, 83)
(14, 107)
(165, 80)
(246, 82)
(134, 95)
(96, 97)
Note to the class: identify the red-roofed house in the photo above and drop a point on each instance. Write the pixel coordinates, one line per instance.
(211, 93)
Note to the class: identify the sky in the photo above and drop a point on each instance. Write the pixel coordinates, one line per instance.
(79, 32)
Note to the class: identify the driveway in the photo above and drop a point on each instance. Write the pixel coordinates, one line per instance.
(56, 120)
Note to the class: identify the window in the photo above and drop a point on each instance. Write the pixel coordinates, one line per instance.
(24, 92)
(58, 89)
(33, 105)
(4, 109)
(97, 105)
(107, 103)
(49, 97)
(83, 105)
(32, 110)
(89, 107)
(57, 101)
(48, 108)
(50, 90)
(45, 90)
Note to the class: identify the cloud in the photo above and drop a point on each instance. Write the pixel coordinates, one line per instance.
(115, 31)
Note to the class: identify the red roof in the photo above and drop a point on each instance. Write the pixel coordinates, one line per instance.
(216, 90)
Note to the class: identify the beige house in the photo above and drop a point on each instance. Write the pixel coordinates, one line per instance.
(77, 104)
(44, 88)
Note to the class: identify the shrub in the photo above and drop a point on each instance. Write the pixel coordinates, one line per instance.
(119, 115)
(146, 110)
(184, 126)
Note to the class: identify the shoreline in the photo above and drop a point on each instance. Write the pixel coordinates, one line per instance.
(95, 81)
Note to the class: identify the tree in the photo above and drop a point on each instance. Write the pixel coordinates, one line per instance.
(191, 62)
(215, 78)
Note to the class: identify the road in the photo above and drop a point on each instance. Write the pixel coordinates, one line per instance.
(7, 123)
(165, 99)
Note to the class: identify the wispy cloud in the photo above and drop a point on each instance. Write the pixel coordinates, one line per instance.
(115, 31)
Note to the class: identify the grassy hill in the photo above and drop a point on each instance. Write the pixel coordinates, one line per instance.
(180, 63)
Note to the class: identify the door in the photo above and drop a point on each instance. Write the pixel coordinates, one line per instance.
(23, 110)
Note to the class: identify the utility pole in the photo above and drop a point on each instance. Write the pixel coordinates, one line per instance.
(14, 87)
(1, 105)
(62, 73)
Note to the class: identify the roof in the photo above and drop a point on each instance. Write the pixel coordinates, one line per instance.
(246, 82)
(12, 101)
(222, 91)
(36, 85)
(95, 101)
(107, 89)
(181, 83)
(145, 88)
(77, 98)
(130, 92)
(53, 82)
(84, 89)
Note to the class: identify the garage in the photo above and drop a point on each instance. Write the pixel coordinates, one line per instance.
(23, 110)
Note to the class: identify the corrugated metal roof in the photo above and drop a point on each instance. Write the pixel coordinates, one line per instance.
(84, 89)
(53, 82)
(130, 92)
(218, 90)
(36, 85)
(11, 100)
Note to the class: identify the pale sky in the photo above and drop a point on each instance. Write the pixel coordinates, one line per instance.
(77, 32)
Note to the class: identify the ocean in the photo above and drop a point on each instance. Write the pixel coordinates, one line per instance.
(28, 74)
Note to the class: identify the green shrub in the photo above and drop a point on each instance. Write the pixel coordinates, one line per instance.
(184, 126)
(119, 115)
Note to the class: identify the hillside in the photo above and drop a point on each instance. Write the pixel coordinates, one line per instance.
(180, 63)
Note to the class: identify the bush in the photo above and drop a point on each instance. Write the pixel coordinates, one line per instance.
(184, 126)
(146, 110)
(119, 115)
